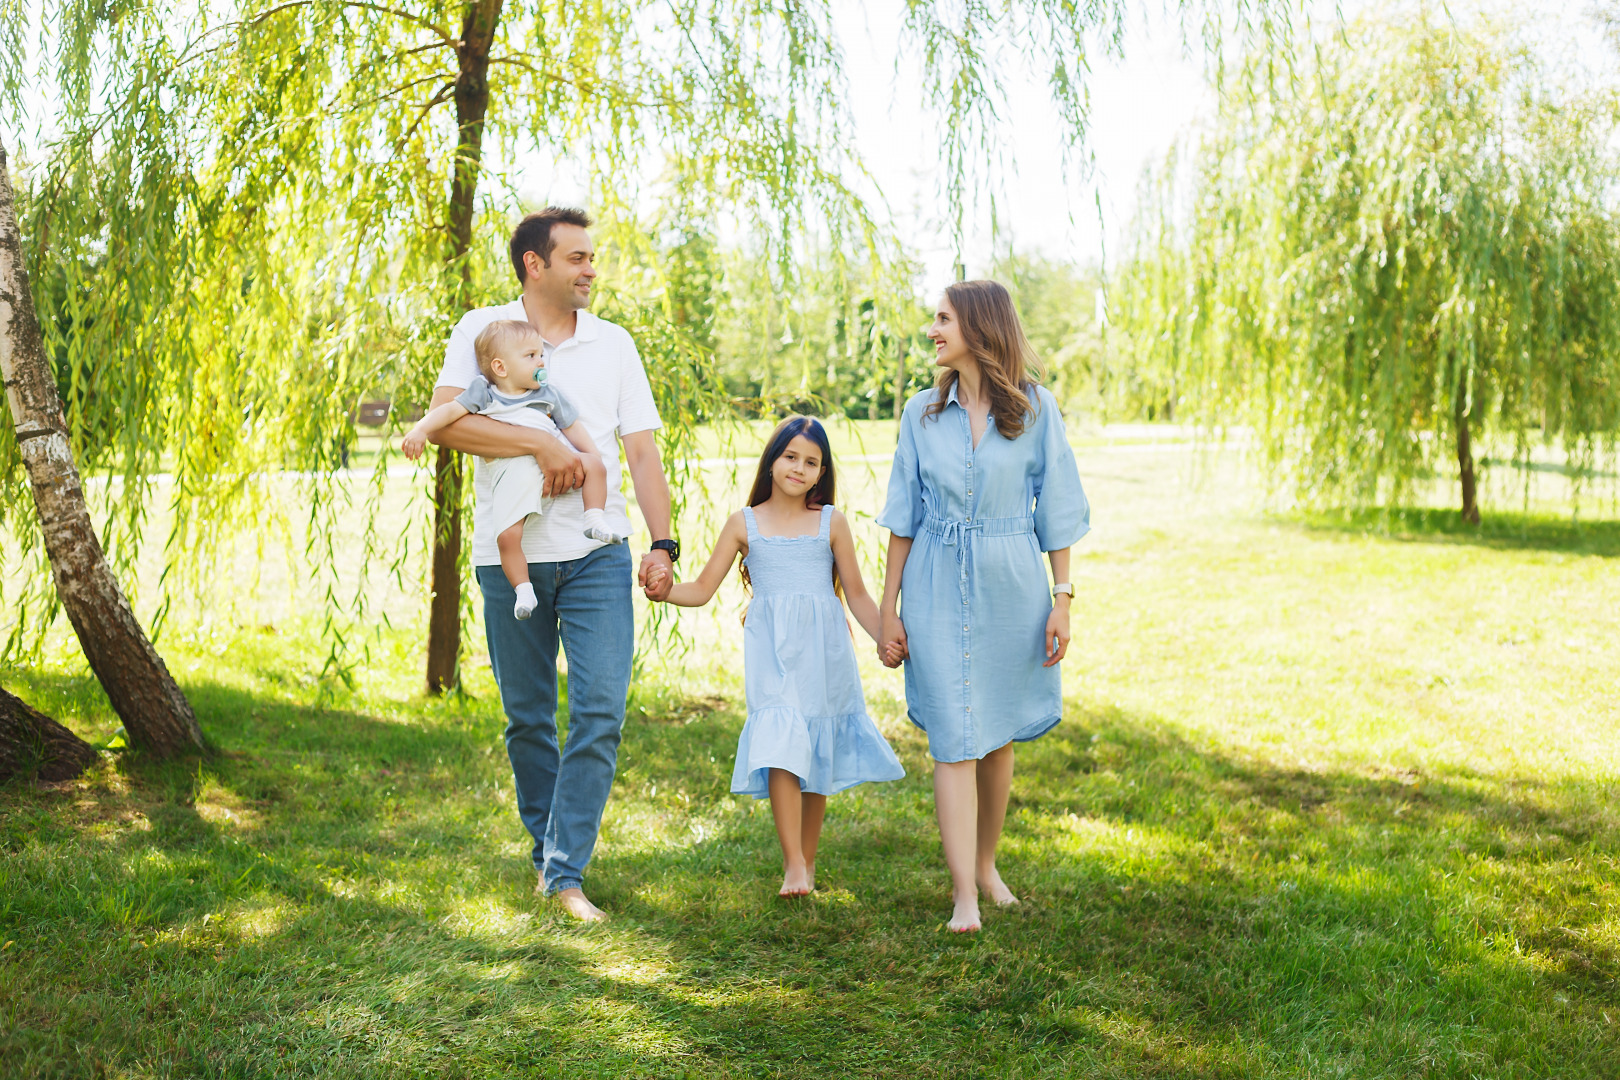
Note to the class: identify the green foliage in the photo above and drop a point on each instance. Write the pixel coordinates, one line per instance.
(819, 333)
(1419, 239)
(239, 228)
(1060, 304)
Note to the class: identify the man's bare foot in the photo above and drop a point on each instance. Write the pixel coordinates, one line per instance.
(574, 902)
(965, 918)
(796, 881)
(992, 886)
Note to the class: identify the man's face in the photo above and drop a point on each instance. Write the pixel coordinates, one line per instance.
(567, 281)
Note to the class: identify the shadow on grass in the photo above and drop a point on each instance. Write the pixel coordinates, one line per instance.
(1503, 530)
(351, 896)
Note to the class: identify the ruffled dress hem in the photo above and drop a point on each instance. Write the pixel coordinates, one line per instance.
(828, 754)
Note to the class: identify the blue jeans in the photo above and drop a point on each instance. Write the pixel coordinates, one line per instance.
(584, 603)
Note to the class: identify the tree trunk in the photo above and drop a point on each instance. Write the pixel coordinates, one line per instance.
(1465, 466)
(155, 713)
(30, 740)
(472, 102)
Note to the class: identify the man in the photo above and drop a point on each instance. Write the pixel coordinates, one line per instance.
(583, 585)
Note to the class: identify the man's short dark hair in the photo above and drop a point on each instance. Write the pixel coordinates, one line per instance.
(534, 234)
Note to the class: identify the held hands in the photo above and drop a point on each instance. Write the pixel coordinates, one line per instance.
(1056, 639)
(892, 650)
(657, 576)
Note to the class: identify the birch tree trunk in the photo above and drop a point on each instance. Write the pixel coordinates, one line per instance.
(30, 740)
(156, 715)
(472, 103)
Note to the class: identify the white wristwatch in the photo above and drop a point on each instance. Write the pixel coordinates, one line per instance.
(1063, 588)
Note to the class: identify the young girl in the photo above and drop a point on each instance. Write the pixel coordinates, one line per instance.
(807, 734)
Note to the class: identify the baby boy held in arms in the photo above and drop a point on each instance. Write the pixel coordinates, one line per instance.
(511, 387)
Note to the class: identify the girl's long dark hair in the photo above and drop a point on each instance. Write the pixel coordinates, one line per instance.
(817, 497)
(788, 430)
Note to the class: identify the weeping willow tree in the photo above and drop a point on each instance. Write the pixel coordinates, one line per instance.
(246, 220)
(1414, 248)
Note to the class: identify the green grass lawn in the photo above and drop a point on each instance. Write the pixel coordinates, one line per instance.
(1335, 795)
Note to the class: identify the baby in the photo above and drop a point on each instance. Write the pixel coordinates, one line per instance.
(511, 387)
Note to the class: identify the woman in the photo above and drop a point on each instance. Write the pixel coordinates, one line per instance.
(983, 482)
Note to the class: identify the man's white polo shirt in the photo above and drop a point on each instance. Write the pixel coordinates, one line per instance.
(600, 372)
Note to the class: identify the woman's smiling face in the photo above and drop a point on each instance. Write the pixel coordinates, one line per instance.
(950, 349)
(796, 471)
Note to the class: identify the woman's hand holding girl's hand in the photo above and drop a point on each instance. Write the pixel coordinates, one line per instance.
(893, 650)
(1057, 631)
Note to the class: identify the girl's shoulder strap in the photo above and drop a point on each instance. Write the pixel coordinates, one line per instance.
(753, 526)
(826, 522)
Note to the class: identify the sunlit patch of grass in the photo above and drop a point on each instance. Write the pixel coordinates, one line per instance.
(1326, 802)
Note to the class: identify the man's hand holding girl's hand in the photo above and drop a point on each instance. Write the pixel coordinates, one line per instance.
(656, 579)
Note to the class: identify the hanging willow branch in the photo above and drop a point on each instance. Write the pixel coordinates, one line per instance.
(1418, 248)
(244, 225)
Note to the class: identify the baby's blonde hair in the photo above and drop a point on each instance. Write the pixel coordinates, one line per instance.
(495, 337)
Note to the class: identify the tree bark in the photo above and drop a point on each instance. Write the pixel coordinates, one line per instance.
(30, 741)
(156, 715)
(472, 103)
(1465, 465)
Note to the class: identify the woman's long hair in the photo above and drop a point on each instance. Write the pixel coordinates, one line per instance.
(821, 495)
(992, 333)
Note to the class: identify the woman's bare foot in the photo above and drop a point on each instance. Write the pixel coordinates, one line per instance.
(796, 881)
(965, 919)
(992, 886)
(574, 902)
(810, 876)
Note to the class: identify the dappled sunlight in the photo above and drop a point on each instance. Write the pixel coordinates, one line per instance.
(1269, 838)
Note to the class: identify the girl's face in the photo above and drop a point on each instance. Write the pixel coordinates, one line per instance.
(950, 350)
(796, 472)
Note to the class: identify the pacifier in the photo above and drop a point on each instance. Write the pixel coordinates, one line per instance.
(540, 375)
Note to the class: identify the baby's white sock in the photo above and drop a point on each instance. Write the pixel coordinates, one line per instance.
(596, 527)
(526, 602)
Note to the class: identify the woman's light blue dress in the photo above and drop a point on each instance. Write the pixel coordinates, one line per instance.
(974, 596)
(806, 713)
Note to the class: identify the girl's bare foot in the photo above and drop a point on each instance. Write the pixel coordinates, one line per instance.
(796, 881)
(810, 876)
(574, 902)
(965, 919)
(992, 886)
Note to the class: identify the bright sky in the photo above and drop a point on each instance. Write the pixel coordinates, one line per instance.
(1140, 105)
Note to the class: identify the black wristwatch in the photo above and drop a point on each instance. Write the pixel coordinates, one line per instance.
(671, 546)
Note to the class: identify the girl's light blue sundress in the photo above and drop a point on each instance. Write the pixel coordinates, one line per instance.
(974, 596)
(806, 713)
